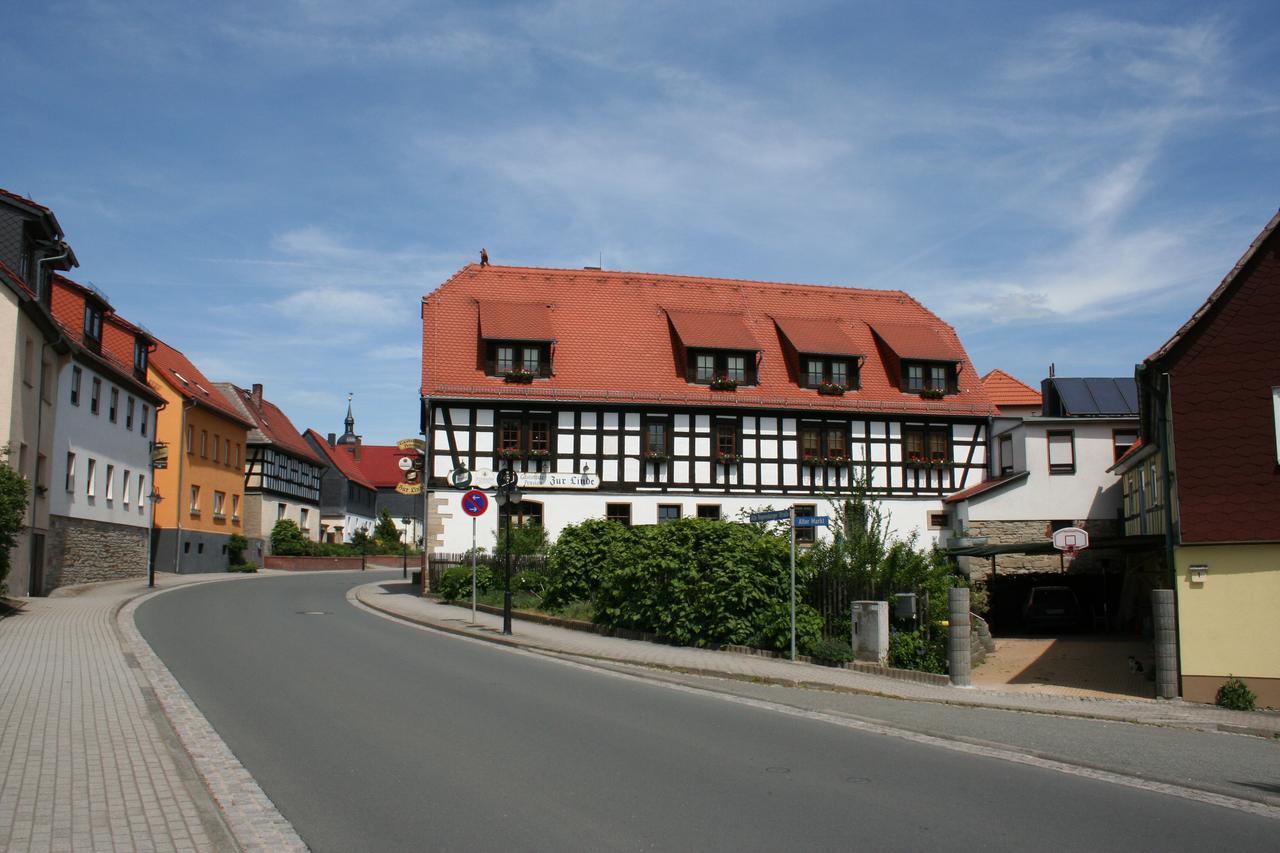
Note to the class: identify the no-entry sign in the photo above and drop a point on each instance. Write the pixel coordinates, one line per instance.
(475, 503)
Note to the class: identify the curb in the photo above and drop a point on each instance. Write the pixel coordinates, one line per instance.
(958, 701)
(251, 817)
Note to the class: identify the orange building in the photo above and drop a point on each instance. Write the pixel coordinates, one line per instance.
(201, 489)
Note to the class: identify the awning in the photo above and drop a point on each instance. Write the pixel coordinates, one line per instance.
(917, 342)
(707, 330)
(516, 321)
(817, 337)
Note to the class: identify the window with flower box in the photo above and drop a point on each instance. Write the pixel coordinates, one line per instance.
(824, 446)
(517, 360)
(931, 378)
(519, 438)
(509, 435)
(811, 445)
(924, 446)
(727, 442)
(837, 446)
(829, 374)
(657, 439)
(722, 367)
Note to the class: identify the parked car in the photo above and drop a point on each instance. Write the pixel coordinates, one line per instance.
(1052, 607)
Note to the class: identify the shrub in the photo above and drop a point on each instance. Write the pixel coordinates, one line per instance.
(248, 568)
(775, 631)
(579, 610)
(455, 583)
(235, 549)
(287, 539)
(913, 650)
(528, 581)
(529, 540)
(1236, 695)
(576, 562)
(13, 510)
(836, 651)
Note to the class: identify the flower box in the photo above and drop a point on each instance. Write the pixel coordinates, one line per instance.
(832, 389)
(932, 394)
(508, 453)
(723, 383)
(656, 456)
(836, 460)
(728, 458)
(518, 376)
(538, 454)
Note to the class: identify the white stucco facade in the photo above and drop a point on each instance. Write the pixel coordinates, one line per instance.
(110, 461)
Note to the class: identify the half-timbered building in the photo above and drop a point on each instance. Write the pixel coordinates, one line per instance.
(281, 471)
(643, 398)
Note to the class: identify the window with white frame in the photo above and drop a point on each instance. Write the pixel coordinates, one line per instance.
(113, 409)
(90, 471)
(1062, 451)
(1006, 454)
(71, 472)
(124, 487)
(111, 482)
(128, 413)
(142, 489)
(1122, 439)
(76, 375)
(195, 500)
(146, 414)
(219, 498)
(95, 396)
(235, 507)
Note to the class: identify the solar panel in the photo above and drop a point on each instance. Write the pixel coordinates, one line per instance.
(1097, 396)
(1129, 388)
(1107, 397)
(1075, 396)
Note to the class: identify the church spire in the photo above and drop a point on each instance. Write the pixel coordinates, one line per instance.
(349, 437)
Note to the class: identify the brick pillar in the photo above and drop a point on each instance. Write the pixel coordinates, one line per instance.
(1166, 643)
(958, 641)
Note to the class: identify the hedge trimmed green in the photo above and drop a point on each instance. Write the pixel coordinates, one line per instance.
(455, 583)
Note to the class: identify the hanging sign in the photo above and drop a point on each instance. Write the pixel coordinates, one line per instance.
(411, 444)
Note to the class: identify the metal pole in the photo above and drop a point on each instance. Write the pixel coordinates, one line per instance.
(473, 570)
(151, 522)
(506, 574)
(793, 582)
(404, 547)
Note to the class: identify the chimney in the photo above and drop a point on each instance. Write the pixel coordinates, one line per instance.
(355, 449)
(257, 395)
(332, 438)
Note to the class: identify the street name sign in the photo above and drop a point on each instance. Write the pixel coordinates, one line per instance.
(812, 520)
(775, 515)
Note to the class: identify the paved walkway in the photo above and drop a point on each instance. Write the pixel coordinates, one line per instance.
(396, 598)
(99, 751)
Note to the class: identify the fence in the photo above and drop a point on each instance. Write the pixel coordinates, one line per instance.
(438, 564)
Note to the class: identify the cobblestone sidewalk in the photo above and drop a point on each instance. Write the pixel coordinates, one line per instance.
(91, 761)
(396, 598)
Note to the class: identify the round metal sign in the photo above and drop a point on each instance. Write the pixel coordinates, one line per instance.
(475, 503)
(460, 478)
(405, 463)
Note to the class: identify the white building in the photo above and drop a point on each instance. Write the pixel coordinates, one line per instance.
(99, 501)
(657, 397)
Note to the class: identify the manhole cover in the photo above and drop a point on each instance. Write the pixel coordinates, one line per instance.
(777, 770)
(313, 612)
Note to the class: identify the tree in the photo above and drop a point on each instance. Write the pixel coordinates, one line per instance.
(386, 536)
(287, 539)
(14, 492)
(360, 540)
(235, 549)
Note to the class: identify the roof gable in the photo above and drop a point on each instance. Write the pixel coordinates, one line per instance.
(180, 374)
(614, 339)
(339, 458)
(515, 321)
(914, 341)
(818, 337)
(272, 426)
(1005, 390)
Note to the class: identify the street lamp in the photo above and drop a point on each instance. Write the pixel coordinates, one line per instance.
(509, 495)
(404, 542)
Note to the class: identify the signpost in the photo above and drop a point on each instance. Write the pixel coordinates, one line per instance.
(474, 504)
(796, 521)
(508, 496)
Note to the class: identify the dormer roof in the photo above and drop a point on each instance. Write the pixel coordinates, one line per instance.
(180, 374)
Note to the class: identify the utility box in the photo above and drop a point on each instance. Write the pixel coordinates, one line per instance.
(870, 639)
(904, 605)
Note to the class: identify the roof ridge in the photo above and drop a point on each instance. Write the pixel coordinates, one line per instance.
(766, 285)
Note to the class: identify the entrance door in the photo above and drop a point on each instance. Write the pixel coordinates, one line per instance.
(36, 575)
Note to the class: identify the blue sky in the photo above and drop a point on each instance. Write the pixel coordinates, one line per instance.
(271, 187)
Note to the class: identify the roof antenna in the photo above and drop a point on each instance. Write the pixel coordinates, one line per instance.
(600, 260)
(1051, 370)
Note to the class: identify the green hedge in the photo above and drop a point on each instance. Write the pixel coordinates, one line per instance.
(455, 583)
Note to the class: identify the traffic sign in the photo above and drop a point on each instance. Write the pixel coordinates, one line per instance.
(812, 520)
(460, 478)
(776, 515)
(475, 503)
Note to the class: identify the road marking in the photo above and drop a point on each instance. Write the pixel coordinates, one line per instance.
(863, 725)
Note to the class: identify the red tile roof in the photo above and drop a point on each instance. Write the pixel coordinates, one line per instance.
(912, 341)
(340, 457)
(67, 300)
(985, 486)
(1004, 390)
(273, 426)
(181, 375)
(380, 464)
(706, 330)
(818, 337)
(614, 342)
(24, 200)
(515, 321)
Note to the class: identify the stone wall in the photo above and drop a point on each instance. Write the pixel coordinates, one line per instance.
(82, 551)
(1038, 530)
(434, 540)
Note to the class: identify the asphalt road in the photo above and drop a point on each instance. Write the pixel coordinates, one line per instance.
(370, 735)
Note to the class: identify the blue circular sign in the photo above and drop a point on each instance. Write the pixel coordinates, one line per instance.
(475, 503)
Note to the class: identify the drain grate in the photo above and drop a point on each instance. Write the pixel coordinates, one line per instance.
(314, 613)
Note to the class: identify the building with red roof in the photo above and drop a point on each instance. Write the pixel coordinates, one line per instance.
(347, 497)
(1011, 397)
(644, 397)
(282, 472)
(1206, 478)
(202, 485)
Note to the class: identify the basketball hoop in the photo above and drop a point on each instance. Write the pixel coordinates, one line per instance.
(1069, 540)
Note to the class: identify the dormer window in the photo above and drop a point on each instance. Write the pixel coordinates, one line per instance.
(508, 358)
(140, 357)
(92, 325)
(923, 377)
(709, 366)
(820, 371)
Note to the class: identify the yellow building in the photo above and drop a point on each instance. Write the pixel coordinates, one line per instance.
(201, 489)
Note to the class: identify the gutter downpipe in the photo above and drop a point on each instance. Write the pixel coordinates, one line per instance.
(35, 476)
(177, 507)
(425, 403)
(1166, 404)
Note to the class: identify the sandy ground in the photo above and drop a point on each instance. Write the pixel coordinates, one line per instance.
(1074, 665)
